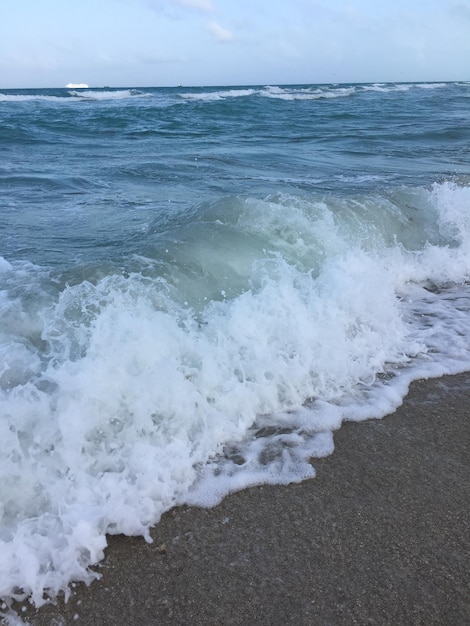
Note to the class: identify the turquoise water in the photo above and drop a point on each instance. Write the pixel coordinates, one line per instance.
(198, 285)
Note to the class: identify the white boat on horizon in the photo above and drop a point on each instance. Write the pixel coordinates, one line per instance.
(76, 86)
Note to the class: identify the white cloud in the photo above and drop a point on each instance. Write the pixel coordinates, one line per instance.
(202, 5)
(173, 7)
(220, 33)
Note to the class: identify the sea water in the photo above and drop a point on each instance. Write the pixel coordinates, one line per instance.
(198, 285)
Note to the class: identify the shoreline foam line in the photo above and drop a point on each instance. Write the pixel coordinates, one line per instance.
(381, 535)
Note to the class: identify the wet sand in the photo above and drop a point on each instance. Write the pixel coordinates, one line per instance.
(380, 536)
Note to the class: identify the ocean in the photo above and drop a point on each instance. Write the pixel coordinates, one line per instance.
(199, 285)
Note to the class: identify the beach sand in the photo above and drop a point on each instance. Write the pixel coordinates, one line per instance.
(380, 536)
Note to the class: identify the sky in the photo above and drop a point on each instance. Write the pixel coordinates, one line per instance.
(144, 43)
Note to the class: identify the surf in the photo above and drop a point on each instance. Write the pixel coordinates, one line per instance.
(195, 294)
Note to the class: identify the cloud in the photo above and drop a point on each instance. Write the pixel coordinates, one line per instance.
(201, 5)
(220, 33)
(461, 9)
(170, 7)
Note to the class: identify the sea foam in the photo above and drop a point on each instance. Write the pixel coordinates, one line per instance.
(125, 395)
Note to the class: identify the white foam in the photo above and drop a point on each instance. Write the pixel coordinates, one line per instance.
(135, 403)
(117, 94)
(211, 96)
(29, 97)
(284, 93)
(387, 87)
(4, 265)
(77, 95)
(390, 87)
(431, 85)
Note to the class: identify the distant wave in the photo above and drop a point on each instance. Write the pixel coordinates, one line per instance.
(120, 94)
(287, 93)
(217, 95)
(75, 95)
(338, 91)
(269, 91)
(431, 85)
(28, 97)
(389, 87)
(386, 87)
(309, 93)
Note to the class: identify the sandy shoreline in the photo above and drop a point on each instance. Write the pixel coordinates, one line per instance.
(380, 536)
